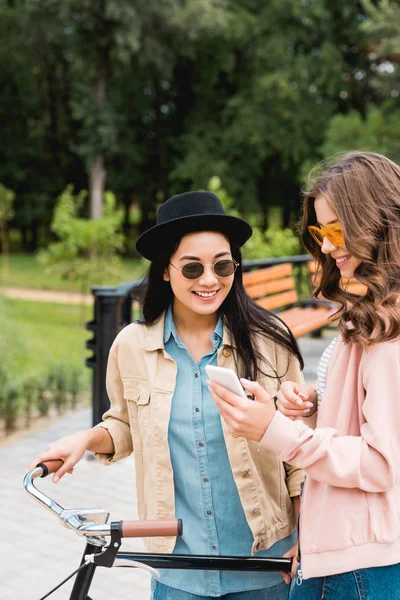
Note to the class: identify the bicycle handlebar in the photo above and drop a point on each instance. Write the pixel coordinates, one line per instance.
(50, 466)
(93, 522)
(172, 527)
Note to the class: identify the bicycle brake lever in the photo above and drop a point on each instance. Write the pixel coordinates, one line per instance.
(107, 557)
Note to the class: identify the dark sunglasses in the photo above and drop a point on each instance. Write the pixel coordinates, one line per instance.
(222, 268)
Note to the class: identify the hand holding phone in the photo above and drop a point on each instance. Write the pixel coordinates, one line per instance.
(227, 378)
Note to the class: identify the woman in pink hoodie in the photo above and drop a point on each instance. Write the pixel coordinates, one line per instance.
(347, 437)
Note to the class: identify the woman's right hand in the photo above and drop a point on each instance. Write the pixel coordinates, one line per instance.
(296, 400)
(69, 449)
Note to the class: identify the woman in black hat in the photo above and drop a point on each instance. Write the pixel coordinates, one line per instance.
(234, 498)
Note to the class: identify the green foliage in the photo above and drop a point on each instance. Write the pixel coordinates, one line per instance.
(42, 368)
(379, 132)
(383, 24)
(6, 214)
(6, 204)
(87, 250)
(25, 273)
(270, 243)
(30, 393)
(215, 185)
(168, 94)
(262, 244)
(74, 385)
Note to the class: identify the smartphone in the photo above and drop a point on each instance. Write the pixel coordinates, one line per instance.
(227, 378)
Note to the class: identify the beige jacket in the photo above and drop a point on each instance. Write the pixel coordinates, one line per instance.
(140, 383)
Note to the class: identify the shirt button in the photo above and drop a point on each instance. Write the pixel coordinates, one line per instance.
(197, 409)
(214, 547)
(209, 512)
(226, 352)
(196, 374)
(205, 479)
(246, 474)
(215, 336)
(201, 444)
(256, 512)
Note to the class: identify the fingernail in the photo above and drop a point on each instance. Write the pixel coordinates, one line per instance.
(299, 402)
(309, 404)
(245, 380)
(302, 395)
(56, 479)
(306, 411)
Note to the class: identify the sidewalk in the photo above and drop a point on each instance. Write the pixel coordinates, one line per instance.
(48, 296)
(36, 552)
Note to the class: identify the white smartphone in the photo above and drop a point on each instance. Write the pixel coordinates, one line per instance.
(227, 378)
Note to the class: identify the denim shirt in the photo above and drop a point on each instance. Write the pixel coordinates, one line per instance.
(206, 496)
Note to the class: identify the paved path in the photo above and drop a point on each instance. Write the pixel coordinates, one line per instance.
(36, 552)
(47, 296)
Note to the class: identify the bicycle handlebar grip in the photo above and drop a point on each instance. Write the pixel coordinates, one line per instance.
(172, 527)
(50, 466)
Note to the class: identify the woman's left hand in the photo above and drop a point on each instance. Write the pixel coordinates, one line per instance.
(292, 553)
(246, 418)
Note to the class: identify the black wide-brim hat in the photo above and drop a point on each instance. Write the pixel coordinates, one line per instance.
(189, 212)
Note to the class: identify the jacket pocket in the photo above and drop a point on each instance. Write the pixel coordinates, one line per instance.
(137, 396)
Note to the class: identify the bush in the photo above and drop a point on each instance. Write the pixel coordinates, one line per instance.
(273, 242)
(11, 405)
(262, 244)
(37, 375)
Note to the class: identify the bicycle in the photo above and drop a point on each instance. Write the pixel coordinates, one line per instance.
(94, 526)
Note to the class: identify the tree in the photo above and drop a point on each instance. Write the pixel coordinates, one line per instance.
(155, 97)
(379, 132)
(6, 214)
(87, 250)
(114, 33)
(262, 103)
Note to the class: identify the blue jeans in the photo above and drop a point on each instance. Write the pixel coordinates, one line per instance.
(378, 583)
(275, 592)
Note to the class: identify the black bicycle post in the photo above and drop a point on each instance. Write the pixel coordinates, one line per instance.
(84, 578)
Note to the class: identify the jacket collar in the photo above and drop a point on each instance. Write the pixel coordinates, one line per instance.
(153, 338)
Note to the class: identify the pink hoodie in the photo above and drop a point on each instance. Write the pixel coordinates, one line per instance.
(350, 515)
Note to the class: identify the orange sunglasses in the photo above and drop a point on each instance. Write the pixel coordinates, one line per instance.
(333, 232)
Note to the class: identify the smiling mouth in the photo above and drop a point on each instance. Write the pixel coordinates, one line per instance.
(342, 259)
(206, 294)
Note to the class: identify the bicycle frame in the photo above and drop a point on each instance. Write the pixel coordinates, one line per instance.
(93, 524)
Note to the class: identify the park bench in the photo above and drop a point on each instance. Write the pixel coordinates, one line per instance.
(274, 288)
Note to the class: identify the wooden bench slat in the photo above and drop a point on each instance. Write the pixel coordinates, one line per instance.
(305, 320)
(275, 288)
(278, 300)
(267, 274)
(271, 287)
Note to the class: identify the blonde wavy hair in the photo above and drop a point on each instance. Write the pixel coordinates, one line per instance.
(363, 189)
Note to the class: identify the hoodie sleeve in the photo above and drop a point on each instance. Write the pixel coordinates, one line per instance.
(368, 461)
(288, 366)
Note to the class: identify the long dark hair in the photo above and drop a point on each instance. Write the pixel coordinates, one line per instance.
(240, 314)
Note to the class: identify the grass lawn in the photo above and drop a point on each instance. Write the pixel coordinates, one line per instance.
(26, 272)
(37, 334)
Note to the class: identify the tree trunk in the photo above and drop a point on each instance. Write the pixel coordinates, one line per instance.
(97, 171)
(97, 182)
(34, 236)
(4, 252)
